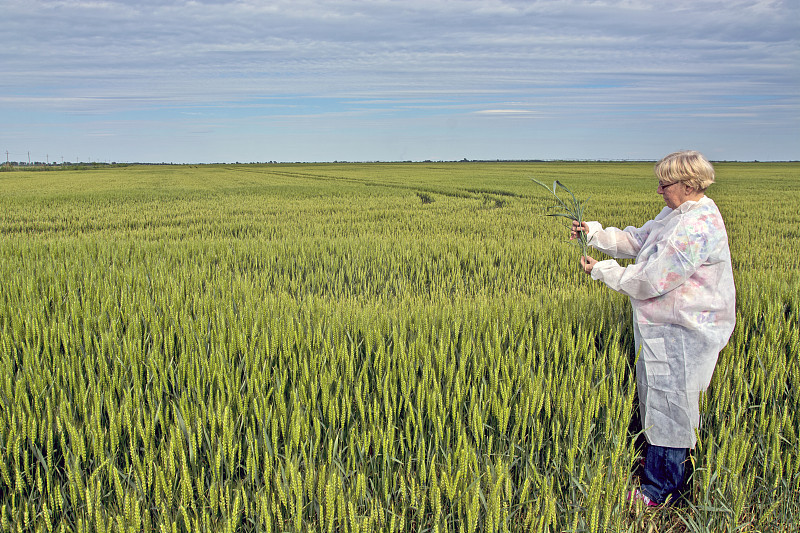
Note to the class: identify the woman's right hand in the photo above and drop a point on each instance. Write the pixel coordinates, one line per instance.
(577, 228)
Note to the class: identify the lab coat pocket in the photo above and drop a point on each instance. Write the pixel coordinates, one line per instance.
(654, 353)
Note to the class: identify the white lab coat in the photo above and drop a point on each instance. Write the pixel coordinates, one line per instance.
(683, 298)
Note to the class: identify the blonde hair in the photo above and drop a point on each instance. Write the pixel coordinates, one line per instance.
(688, 167)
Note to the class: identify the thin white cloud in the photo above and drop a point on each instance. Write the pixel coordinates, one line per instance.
(506, 112)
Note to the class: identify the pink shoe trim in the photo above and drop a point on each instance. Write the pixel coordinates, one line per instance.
(638, 496)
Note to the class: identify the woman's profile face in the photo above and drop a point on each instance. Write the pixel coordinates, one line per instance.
(674, 194)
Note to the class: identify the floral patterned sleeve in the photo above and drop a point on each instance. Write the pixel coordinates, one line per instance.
(665, 264)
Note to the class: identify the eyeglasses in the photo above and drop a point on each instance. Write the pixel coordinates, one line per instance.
(663, 187)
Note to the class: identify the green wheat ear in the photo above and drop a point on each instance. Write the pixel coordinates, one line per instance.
(572, 209)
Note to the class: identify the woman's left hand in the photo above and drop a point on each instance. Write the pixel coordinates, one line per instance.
(588, 263)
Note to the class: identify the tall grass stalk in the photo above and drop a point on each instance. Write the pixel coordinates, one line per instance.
(572, 210)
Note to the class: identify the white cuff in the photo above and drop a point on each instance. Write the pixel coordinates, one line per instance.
(594, 227)
(603, 267)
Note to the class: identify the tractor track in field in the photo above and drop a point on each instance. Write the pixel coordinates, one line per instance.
(466, 193)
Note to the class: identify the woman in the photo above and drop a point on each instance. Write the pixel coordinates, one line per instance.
(683, 298)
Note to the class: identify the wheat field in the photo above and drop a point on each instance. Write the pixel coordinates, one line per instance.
(368, 347)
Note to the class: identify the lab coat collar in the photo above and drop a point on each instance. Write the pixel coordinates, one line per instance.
(691, 204)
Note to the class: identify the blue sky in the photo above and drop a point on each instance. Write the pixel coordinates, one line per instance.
(310, 80)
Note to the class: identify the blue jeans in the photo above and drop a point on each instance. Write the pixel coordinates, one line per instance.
(664, 472)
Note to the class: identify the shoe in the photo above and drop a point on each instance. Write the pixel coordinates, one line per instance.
(636, 495)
